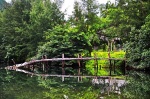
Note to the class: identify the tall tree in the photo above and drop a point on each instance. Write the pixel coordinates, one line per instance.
(86, 19)
(138, 47)
(3, 4)
(23, 30)
(123, 16)
(44, 15)
(13, 28)
(64, 39)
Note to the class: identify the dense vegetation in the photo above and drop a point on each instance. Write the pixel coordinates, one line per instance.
(140, 82)
(32, 28)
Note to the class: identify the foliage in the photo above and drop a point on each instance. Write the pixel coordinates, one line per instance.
(64, 40)
(140, 83)
(3, 4)
(13, 30)
(43, 16)
(122, 18)
(23, 31)
(85, 18)
(138, 47)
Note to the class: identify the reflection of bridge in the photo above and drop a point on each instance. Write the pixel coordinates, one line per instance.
(44, 65)
(44, 76)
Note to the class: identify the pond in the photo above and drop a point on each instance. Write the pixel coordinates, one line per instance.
(17, 85)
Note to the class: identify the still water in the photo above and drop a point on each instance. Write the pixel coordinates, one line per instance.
(16, 85)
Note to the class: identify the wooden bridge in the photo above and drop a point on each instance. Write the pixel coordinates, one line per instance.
(79, 59)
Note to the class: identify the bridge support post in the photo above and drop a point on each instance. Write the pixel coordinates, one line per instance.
(114, 66)
(95, 64)
(63, 65)
(79, 78)
(79, 67)
(63, 78)
(44, 64)
(124, 67)
(110, 65)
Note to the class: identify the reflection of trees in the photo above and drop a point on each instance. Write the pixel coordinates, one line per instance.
(138, 86)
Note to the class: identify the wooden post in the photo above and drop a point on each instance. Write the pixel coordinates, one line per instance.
(95, 64)
(46, 63)
(43, 65)
(79, 68)
(79, 61)
(63, 70)
(114, 67)
(33, 67)
(63, 65)
(14, 67)
(111, 43)
(79, 74)
(110, 66)
(13, 62)
(40, 65)
(124, 67)
(63, 78)
(49, 66)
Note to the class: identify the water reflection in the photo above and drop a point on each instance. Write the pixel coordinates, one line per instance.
(138, 86)
(14, 85)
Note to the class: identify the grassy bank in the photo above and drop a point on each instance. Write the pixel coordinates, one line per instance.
(103, 65)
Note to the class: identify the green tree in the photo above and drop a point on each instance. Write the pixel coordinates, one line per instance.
(86, 20)
(122, 16)
(3, 4)
(13, 28)
(22, 32)
(138, 47)
(64, 39)
(138, 81)
(44, 15)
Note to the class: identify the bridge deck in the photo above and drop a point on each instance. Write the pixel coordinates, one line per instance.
(65, 59)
